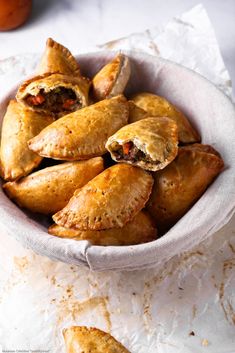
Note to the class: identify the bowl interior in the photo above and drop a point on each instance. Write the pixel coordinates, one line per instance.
(208, 109)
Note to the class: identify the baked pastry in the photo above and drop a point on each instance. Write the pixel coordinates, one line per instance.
(110, 200)
(49, 190)
(158, 106)
(180, 184)
(55, 94)
(81, 339)
(82, 134)
(19, 125)
(112, 79)
(57, 59)
(149, 143)
(136, 113)
(140, 230)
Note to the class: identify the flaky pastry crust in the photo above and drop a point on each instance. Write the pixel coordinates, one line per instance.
(136, 113)
(20, 125)
(110, 200)
(82, 134)
(57, 58)
(158, 106)
(49, 190)
(112, 79)
(181, 184)
(140, 230)
(81, 339)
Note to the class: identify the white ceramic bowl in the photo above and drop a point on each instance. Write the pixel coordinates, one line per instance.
(210, 111)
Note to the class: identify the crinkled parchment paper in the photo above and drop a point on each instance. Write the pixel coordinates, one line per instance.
(187, 305)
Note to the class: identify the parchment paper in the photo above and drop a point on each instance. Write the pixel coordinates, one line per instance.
(187, 305)
(188, 40)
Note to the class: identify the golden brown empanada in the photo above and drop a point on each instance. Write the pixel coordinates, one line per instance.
(49, 190)
(56, 94)
(198, 147)
(82, 134)
(180, 184)
(158, 106)
(20, 125)
(150, 143)
(81, 339)
(112, 79)
(136, 113)
(57, 59)
(110, 200)
(140, 230)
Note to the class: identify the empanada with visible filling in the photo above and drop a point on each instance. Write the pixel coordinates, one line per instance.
(81, 339)
(158, 106)
(57, 59)
(180, 184)
(140, 230)
(19, 125)
(82, 134)
(112, 79)
(55, 94)
(110, 200)
(49, 190)
(150, 143)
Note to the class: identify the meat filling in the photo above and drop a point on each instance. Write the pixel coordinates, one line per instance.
(57, 100)
(129, 152)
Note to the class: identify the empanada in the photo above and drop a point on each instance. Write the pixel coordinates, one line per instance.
(180, 184)
(140, 230)
(136, 113)
(112, 79)
(55, 94)
(49, 190)
(82, 134)
(150, 143)
(57, 59)
(81, 339)
(158, 106)
(110, 200)
(19, 125)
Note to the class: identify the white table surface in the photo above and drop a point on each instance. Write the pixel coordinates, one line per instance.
(78, 23)
(193, 293)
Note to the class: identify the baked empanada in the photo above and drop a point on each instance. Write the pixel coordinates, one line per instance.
(57, 59)
(110, 200)
(136, 113)
(112, 79)
(49, 190)
(55, 94)
(82, 134)
(140, 230)
(150, 143)
(81, 339)
(19, 125)
(158, 106)
(180, 184)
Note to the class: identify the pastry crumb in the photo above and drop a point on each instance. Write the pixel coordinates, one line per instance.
(205, 342)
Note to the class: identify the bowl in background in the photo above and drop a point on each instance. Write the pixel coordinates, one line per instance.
(209, 110)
